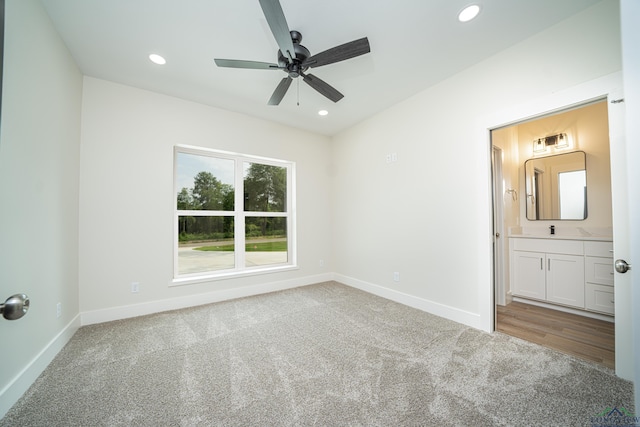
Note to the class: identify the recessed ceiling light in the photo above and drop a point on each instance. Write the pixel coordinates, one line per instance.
(468, 13)
(157, 59)
(323, 112)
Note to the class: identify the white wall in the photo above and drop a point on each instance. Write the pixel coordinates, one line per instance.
(127, 200)
(39, 167)
(427, 216)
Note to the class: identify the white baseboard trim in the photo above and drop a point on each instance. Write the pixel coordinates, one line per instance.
(151, 307)
(10, 394)
(451, 313)
(592, 315)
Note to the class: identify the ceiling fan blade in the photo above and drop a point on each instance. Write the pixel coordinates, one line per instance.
(322, 87)
(339, 53)
(280, 91)
(278, 24)
(238, 63)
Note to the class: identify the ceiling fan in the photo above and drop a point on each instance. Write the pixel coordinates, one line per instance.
(295, 59)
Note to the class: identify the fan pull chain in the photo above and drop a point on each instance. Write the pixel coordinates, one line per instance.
(298, 83)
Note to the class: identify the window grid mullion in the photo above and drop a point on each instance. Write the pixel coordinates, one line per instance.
(268, 214)
(239, 217)
(205, 213)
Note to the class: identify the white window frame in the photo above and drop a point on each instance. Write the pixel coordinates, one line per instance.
(239, 214)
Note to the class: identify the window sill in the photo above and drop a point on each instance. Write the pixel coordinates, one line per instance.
(210, 277)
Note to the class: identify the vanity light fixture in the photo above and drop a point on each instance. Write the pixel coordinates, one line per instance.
(468, 13)
(558, 141)
(157, 59)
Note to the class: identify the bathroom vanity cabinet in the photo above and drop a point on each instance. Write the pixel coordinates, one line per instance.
(572, 273)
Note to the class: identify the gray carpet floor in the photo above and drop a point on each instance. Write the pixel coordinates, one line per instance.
(325, 355)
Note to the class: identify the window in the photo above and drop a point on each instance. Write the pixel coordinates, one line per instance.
(234, 214)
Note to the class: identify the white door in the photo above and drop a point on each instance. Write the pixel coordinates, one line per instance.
(630, 34)
(621, 234)
(498, 226)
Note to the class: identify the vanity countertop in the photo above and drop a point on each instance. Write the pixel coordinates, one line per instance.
(602, 238)
(598, 234)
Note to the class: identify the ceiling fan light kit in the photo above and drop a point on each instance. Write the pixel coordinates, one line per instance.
(295, 59)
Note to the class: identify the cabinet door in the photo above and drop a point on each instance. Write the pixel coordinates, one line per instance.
(527, 275)
(599, 270)
(599, 298)
(565, 279)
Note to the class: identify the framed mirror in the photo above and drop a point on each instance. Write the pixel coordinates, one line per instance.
(556, 187)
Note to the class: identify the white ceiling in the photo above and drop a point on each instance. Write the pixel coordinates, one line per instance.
(414, 45)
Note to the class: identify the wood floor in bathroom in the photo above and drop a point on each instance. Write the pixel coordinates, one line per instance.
(580, 336)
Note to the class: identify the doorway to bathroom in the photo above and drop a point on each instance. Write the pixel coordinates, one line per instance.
(555, 289)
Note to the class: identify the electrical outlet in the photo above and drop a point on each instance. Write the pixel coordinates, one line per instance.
(59, 309)
(321, 263)
(396, 276)
(135, 287)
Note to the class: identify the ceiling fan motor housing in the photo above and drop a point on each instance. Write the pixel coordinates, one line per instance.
(293, 68)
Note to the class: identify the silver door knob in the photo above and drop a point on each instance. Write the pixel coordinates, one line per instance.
(15, 307)
(622, 266)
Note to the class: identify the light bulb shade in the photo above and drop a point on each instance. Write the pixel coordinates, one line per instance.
(538, 145)
(563, 141)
